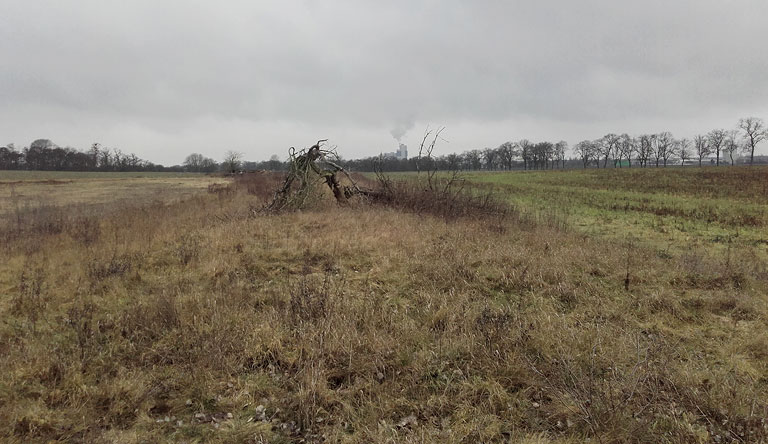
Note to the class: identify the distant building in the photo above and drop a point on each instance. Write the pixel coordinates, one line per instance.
(400, 154)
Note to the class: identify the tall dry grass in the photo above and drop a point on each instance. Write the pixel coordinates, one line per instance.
(198, 322)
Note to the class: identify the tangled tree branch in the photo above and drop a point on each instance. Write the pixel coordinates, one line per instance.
(443, 196)
(308, 167)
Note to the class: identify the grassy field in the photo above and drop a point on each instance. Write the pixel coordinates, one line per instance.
(21, 175)
(192, 318)
(26, 191)
(679, 209)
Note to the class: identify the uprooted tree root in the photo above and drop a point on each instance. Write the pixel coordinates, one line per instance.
(308, 168)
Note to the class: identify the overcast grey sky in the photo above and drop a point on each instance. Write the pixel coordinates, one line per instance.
(167, 78)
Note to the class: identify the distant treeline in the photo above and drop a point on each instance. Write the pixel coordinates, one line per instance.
(716, 147)
(44, 155)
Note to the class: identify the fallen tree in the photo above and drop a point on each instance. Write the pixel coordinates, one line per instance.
(428, 192)
(308, 168)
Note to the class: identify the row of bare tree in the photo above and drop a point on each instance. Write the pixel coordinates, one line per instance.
(662, 148)
(615, 150)
(42, 154)
(507, 156)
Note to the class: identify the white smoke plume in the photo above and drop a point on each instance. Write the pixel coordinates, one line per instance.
(402, 127)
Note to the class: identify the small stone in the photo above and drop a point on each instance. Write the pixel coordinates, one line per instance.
(167, 419)
(179, 423)
(536, 405)
(230, 415)
(260, 413)
(409, 420)
(189, 402)
(379, 376)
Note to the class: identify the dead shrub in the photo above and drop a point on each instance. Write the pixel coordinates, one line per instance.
(447, 200)
(145, 322)
(615, 387)
(41, 220)
(86, 230)
(117, 265)
(188, 249)
(261, 184)
(494, 326)
(310, 300)
(80, 318)
(30, 300)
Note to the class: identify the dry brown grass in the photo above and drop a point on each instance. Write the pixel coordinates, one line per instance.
(91, 190)
(370, 324)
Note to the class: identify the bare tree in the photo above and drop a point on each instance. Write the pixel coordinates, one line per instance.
(645, 149)
(507, 153)
(754, 133)
(665, 144)
(701, 145)
(93, 155)
(541, 153)
(627, 146)
(716, 140)
(609, 147)
(232, 160)
(656, 149)
(683, 150)
(198, 163)
(490, 157)
(474, 159)
(193, 161)
(525, 152)
(731, 144)
(105, 159)
(586, 151)
(560, 148)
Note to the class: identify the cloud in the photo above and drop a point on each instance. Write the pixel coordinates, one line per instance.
(167, 78)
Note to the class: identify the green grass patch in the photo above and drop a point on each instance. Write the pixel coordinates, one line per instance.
(673, 209)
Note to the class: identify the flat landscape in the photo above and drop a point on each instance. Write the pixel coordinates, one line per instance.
(616, 305)
(670, 208)
(22, 191)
